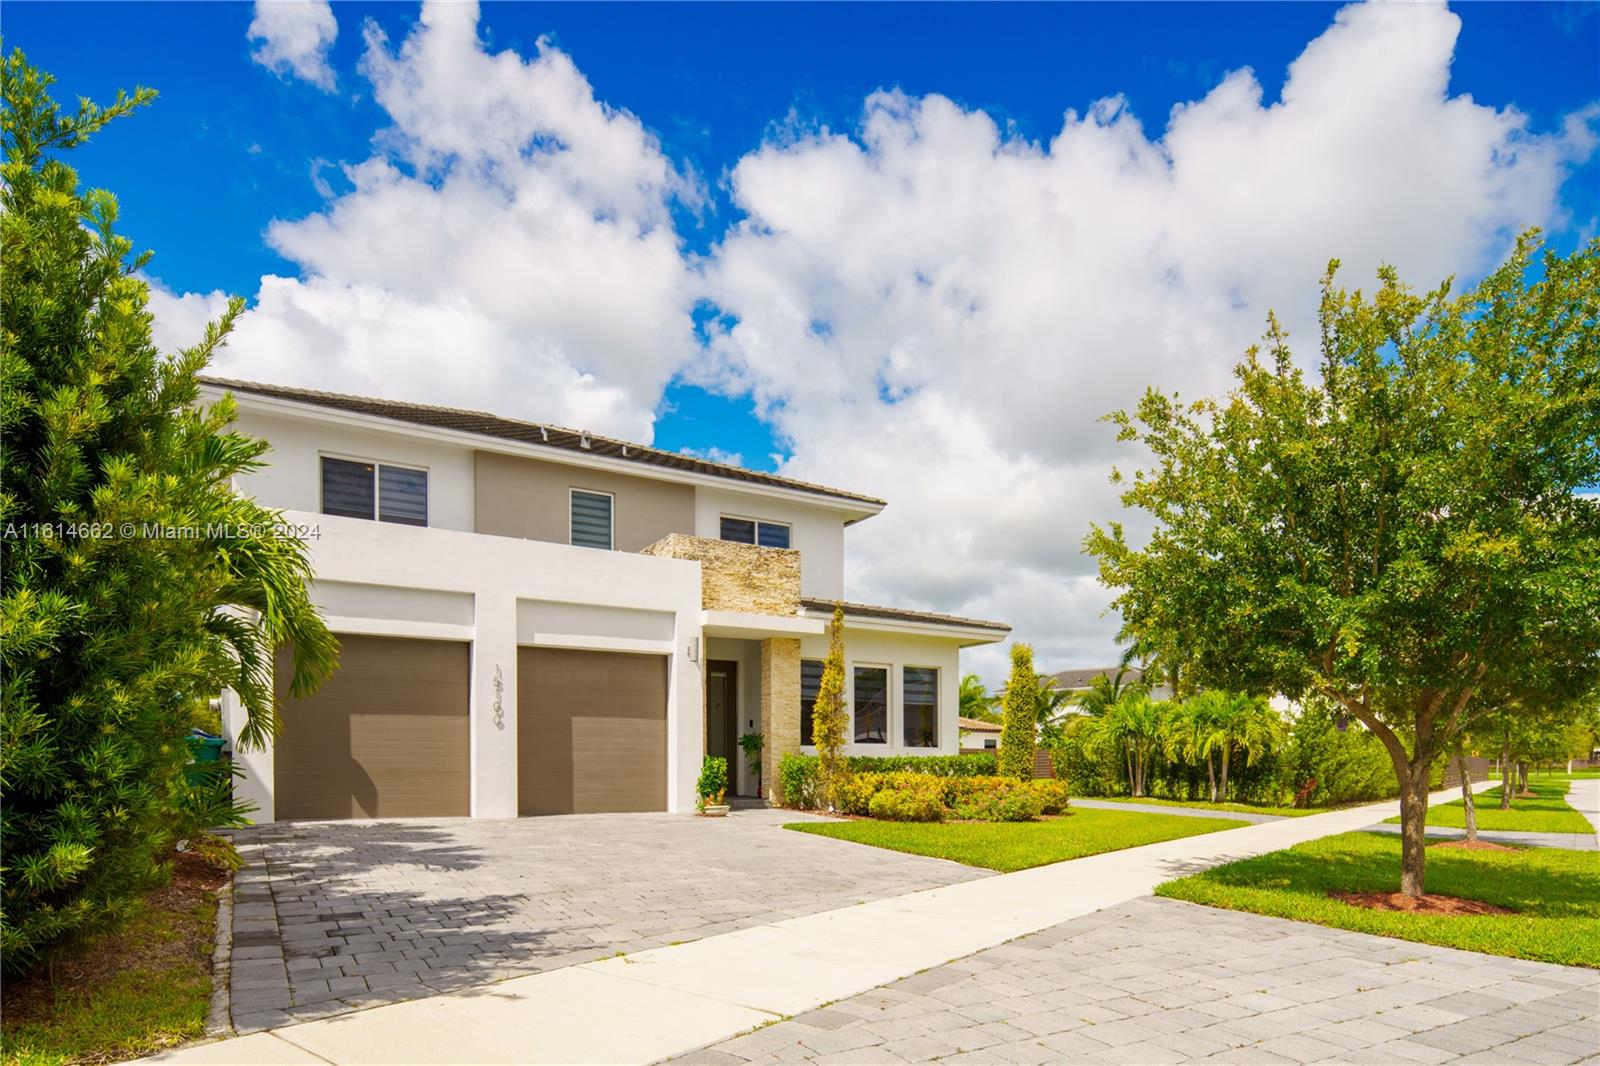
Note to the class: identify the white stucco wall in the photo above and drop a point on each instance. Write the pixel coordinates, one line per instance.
(496, 593)
(897, 651)
(292, 478)
(979, 740)
(817, 533)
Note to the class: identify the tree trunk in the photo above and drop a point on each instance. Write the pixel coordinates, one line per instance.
(1133, 785)
(1211, 777)
(1506, 773)
(1413, 832)
(1466, 793)
(1222, 791)
(1522, 775)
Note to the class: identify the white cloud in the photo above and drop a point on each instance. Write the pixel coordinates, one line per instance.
(945, 311)
(714, 455)
(509, 246)
(929, 308)
(294, 37)
(180, 320)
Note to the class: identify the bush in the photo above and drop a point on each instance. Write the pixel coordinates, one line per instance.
(974, 764)
(1020, 805)
(1347, 767)
(799, 784)
(713, 783)
(923, 803)
(1052, 796)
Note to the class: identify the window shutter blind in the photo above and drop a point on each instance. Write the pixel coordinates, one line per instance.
(402, 495)
(591, 520)
(347, 488)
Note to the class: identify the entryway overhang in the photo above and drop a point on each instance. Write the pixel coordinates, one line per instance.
(745, 625)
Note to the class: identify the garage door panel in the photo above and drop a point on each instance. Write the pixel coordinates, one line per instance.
(591, 731)
(385, 737)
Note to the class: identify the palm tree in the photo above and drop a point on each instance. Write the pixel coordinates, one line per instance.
(976, 703)
(1106, 689)
(1246, 724)
(1133, 726)
(1192, 734)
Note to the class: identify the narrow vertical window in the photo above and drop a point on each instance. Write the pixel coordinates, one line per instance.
(920, 707)
(872, 704)
(810, 684)
(591, 519)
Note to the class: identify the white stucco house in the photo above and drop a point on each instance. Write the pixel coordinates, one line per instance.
(978, 735)
(537, 620)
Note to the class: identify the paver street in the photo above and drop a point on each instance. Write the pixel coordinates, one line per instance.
(1158, 981)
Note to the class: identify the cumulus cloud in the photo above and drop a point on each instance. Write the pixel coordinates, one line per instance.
(925, 305)
(939, 311)
(509, 246)
(293, 37)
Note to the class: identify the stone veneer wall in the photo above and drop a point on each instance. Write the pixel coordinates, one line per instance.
(738, 577)
(780, 708)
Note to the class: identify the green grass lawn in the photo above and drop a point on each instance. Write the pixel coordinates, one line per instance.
(1234, 808)
(1556, 894)
(1545, 812)
(134, 990)
(1007, 846)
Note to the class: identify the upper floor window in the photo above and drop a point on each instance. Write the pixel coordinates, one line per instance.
(592, 519)
(920, 706)
(872, 704)
(755, 531)
(810, 685)
(389, 493)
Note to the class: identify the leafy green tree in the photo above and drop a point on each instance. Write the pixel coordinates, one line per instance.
(1191, 734)
(110, 634)
(830, 718)
(1020, 715)
(976, 702)
(1402, 533)
(1106, 689)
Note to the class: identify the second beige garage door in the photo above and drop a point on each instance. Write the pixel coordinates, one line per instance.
(591, 732)
(384, 737)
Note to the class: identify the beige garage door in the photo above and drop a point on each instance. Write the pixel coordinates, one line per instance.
(385, 736)
(591, 732)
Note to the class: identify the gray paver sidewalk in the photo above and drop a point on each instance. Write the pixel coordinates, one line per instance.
(1162, 981)
(331, 917)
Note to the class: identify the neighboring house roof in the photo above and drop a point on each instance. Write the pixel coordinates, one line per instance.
(534, 433)
(899, 614)
(1080, 679)
(973, 725)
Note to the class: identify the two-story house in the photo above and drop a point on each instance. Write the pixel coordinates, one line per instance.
(537, 620)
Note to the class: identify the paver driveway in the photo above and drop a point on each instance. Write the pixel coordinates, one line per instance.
(333, 916)
(1161, 981)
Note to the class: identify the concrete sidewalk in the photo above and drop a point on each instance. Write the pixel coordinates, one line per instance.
(1583, 796)
(1186, 812)
(663, 1002)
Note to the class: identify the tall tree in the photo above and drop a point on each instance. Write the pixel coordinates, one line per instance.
(1133, 727)
(830, 718)
(1399, 534)
(1020, 715)
(111, 631)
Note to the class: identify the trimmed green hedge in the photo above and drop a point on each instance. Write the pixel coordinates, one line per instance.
(797, 774)
(909, 796)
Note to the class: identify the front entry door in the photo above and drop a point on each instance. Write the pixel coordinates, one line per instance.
(722, 715)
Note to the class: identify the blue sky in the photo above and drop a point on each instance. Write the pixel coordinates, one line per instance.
(229, 146)
(861, 244)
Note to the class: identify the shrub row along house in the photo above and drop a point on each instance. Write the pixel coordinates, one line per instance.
(536, 620)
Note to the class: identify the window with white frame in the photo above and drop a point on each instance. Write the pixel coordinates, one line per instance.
(755, 531)
(353, 488)
(919, 706)
(871, 704)
(592, 519)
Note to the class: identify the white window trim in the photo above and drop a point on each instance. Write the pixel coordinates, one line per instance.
(938, 707)
(592, 492)
(377, 483)
(759, 522)
(889, 713)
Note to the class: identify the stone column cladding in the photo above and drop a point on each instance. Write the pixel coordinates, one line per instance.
(738, 577)
(780, 707)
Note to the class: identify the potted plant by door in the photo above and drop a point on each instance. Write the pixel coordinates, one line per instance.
(751, 744)
(712, 786)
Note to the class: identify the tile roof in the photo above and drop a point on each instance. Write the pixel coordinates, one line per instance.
(900, 614)
(1076, 679)
(973, 725)
(539, 434)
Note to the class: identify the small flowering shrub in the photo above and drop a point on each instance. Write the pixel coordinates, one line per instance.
(920, 803)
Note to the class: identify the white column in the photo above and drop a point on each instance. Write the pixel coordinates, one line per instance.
(494, 707)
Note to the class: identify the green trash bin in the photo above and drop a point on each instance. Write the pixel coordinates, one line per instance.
(205, 750)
